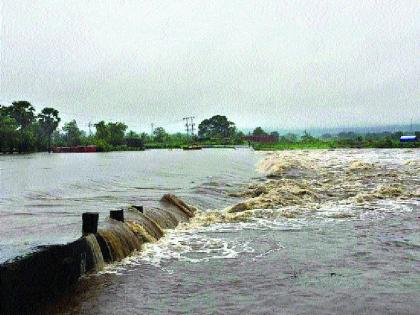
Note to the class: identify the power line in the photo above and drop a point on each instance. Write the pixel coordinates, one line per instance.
(192, 125)
(189, 124)
(86, 119)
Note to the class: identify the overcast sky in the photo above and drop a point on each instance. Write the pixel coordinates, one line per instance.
(282, 64)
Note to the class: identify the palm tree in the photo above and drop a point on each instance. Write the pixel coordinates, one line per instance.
(48, 120)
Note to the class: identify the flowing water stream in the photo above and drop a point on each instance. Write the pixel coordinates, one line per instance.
(294, 232)
(42, 196)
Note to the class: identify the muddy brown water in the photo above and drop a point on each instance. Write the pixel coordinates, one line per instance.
(354, 249)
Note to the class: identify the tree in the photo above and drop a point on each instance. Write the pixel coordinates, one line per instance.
(259, 132)
(116, 132)
(290, 137)
(160, 134)
(237, 137)
(307, 137)
(397, 135)
(346, 135)
(216, 127)
(275, 134)
(179, 137)
(48, 121)
(101, 130)
(72, 133)
(8, 130)
(145, 137)
(111, 133)
(132, 134)
(23, 113)
(133, 140)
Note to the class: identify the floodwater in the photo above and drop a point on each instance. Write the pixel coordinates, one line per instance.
(328, 232)
(43, 196)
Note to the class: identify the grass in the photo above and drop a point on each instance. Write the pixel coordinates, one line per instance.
(331, 144)
(315, 143)
(291, 146)
(181, 144)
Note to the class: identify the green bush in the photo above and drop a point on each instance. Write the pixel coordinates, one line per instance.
(103, 146)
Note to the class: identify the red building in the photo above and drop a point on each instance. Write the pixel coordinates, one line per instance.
(77, 149)
(261, 139)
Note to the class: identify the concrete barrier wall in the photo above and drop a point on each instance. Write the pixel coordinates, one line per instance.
(30, 282)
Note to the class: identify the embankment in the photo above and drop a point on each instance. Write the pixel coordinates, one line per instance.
(29, 283)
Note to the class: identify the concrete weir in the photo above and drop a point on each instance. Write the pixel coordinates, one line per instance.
(30, 282)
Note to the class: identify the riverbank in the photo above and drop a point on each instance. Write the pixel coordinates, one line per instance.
(204, 144)
(149, 146)
(334, 144)
(278, 146)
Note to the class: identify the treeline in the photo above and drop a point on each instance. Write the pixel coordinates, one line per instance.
(340, 140)
(109, 136)
(23, 130)
(217, 130)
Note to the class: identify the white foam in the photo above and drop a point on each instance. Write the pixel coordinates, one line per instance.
(192, 247)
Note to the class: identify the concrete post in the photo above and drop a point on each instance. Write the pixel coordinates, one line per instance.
(90, 222)
(117, 215)
(139, 208)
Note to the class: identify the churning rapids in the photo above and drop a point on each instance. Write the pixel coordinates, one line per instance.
(318, 231)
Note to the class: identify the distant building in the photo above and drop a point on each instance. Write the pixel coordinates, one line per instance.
(408, 139)
(261, 138)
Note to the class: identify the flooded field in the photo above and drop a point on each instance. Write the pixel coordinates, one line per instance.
(291, 232)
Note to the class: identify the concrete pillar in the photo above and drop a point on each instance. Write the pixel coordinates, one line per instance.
(139, 208)
(117, 215)
(90, 222)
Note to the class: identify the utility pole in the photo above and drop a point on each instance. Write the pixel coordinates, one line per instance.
(192, 125)
(187, 125)
(152, 125)
(90, 130)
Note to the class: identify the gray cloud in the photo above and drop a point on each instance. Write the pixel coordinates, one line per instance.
(284, 64)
